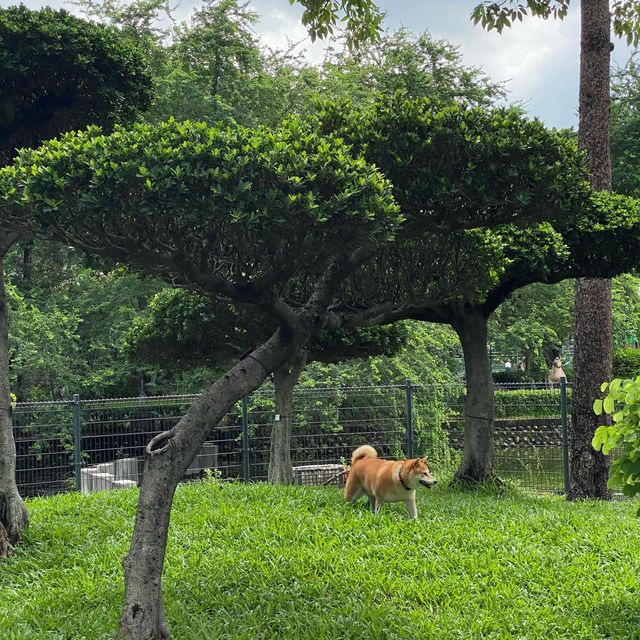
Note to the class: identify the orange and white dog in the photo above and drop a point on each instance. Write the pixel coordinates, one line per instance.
(386, 480)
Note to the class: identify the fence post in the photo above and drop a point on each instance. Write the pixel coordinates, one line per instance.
(565, 435)
(408, 386)
(246, 461)
(77, 439)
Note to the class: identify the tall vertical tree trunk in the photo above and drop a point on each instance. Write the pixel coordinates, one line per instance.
(592, 315)
(13, 513)
(479, 407)
(285, 379)
(167, 457)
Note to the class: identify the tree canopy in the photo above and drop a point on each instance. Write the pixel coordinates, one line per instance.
(228, 210)
(58, 72)
(460, 166)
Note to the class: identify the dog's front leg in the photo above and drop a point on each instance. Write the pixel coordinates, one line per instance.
(411, 507)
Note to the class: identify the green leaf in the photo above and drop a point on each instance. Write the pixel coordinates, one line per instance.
(597, 406)
(608, 404)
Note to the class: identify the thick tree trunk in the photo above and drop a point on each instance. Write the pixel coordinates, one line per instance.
(479, 408)
(592, 365)
(13, 513)
(167, 457)
(592, 315)
(285, 379)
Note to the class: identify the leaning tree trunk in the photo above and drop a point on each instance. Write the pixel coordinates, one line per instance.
(285, 379)
(592, 315)
(479, 407)
(13, 513)
(167, 457)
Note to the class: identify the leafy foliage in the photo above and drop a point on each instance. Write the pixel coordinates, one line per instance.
(454, 164)
(623, 436)
(625, 128)
(60, 73)
(220, 208)
(534, 322)
(362, 19)
(68, 326)
(214, 69)
(181, 329)
(497, 15)
(626, 363)
(418, 65)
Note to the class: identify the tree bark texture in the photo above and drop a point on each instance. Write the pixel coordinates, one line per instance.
(592, 365)
(167, 457)
(593, 328)
(285, 379)
(13, 513)
(479, 407)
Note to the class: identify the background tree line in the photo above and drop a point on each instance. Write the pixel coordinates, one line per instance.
(213, 68)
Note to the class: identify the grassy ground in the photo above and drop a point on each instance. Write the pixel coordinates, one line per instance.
(261, 562)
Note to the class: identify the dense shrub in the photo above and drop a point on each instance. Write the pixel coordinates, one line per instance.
(528, 403)
(626, 363)
(520, 403)
(513, 376)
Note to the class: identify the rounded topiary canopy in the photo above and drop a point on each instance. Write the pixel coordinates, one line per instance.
(227, 210)
(456, 166)
(59, 72)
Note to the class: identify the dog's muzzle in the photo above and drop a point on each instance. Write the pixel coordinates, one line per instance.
(426, 483)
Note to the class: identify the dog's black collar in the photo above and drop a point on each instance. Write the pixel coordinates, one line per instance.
(402, 481)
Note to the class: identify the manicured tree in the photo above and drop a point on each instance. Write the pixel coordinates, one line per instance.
(457, 166)
(471, 163)
(190, 330)
(593, 320)
(61, 73)
(57, 72)
(232, 212)
(498, 261)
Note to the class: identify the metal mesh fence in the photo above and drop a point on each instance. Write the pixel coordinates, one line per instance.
(43, 433)
(328, 424)
(528, 435)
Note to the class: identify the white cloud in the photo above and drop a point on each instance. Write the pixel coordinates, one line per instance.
(280, 25)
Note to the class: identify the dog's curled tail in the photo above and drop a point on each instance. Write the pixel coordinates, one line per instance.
(365, 451)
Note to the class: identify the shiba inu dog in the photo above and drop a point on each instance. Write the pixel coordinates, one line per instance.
(386, 480)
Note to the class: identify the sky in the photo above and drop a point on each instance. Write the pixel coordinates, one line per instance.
(539, 60)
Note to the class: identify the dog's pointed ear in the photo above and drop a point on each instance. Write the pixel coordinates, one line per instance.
(416, 463)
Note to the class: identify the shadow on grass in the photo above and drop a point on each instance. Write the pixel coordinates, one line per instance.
(615, 620)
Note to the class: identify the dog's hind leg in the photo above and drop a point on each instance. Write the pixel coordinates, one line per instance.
(353, 490)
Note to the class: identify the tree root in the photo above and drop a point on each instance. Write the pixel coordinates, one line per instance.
(469, 483)
(5, 546)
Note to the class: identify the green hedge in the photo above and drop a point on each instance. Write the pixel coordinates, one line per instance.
(528, 403)
(626, 363)
(521, 403)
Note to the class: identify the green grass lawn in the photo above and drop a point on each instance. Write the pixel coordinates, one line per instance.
(260, 562)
